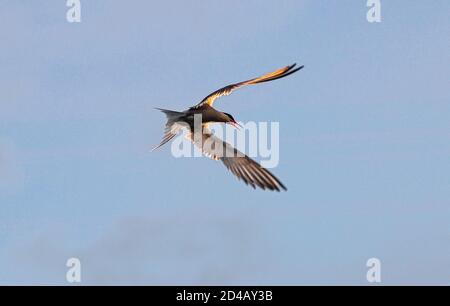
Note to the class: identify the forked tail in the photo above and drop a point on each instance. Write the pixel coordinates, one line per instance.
(172, 128)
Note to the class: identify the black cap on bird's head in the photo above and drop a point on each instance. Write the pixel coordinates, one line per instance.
(232, 121)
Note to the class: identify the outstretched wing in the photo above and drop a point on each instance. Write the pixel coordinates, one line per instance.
(242, 166)
(225, 91)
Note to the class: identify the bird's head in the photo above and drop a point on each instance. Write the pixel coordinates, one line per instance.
(230, 120)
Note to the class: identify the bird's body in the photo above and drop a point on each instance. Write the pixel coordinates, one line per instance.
(208, 115)
(237, 162)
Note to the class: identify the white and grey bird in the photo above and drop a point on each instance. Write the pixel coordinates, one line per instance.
(242, 166)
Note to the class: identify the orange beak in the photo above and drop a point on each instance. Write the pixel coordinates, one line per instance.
(236, 125)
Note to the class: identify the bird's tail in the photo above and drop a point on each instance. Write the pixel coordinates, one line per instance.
(172, 128)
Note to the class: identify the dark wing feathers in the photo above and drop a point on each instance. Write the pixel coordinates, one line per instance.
(225, 91)
(242, 166)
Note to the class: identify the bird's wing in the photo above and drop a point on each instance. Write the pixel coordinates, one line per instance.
(225, 91)
(242, 166)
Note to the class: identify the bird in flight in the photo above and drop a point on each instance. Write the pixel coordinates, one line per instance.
(242, 166)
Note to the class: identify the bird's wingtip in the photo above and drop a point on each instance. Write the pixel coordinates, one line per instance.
(154, 148)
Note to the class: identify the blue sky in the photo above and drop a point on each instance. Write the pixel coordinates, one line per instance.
(364, 144)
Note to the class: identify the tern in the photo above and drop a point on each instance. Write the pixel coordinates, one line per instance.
(242, 166)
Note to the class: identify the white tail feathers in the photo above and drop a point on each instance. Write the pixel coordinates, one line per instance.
(172, 128)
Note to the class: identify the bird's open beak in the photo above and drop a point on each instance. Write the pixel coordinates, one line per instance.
(236, 125)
